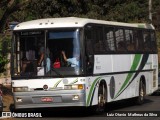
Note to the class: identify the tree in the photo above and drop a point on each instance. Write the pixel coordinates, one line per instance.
(56, 8)
(9, 7)
(3, 62)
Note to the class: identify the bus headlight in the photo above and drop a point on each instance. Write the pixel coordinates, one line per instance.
(20, 89)
(74, 87)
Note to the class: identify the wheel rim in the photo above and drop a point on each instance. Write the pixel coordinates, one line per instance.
(101, 99)
(141, 93)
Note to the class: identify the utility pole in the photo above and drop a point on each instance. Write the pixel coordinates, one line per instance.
(150, 11)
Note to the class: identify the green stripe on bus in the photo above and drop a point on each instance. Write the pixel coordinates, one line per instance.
(76, 80)
(134, 66)
(57, 83)
(91, 90)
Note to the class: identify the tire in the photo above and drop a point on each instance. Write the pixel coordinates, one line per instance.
(142, 92)
(12, 108)
(100, 107)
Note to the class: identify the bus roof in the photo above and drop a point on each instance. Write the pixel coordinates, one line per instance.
(72, 22)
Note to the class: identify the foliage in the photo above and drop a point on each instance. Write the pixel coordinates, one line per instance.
(3, 62)
(4, 50)
(8, 7)
(158, 38)
(115, 10)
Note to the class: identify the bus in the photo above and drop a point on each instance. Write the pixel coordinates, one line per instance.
(116, 61)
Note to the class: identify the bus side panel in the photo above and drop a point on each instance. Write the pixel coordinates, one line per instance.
(103, 64)
(122, 63)
(126, 70)
(155, 72)
(112, 63)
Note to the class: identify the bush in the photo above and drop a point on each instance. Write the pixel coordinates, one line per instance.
(4, 50)
(3, 62)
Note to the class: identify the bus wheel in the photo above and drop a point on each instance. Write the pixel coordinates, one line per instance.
(101, 99)
(140, 98)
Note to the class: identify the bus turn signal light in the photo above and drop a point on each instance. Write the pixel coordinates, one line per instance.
(74, 87)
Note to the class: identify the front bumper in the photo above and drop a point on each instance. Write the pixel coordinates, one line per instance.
(61, 98)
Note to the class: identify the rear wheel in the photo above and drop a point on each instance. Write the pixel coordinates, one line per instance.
(140, 98)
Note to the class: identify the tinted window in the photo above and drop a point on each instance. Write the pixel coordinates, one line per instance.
(89, 39)
(109, 38)
(98, 39)
(147, 40)
(120, 43)
(138, 35)
(129, 40)
(153, 42)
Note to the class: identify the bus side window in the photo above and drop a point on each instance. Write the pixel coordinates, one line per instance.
(147, 41)
(89, 49)
(89, 56)
(98, 39)
(121, 46)
(129, 40)
(139, 40)
(153, 42)
(109, 38)
(120, 43)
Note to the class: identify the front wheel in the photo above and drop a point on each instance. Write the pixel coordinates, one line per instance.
(100, 107)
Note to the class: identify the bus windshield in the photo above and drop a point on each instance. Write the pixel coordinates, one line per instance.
(46, 53)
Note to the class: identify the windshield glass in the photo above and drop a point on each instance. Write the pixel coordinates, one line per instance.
(46, 53)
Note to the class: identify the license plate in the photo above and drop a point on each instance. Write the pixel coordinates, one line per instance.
(46, 99)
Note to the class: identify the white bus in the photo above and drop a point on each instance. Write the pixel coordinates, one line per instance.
(115, 61)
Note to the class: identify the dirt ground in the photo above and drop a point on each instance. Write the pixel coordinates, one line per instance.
(7, 97)
(7, 100)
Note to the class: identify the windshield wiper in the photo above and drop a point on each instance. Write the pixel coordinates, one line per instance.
(57, 72)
